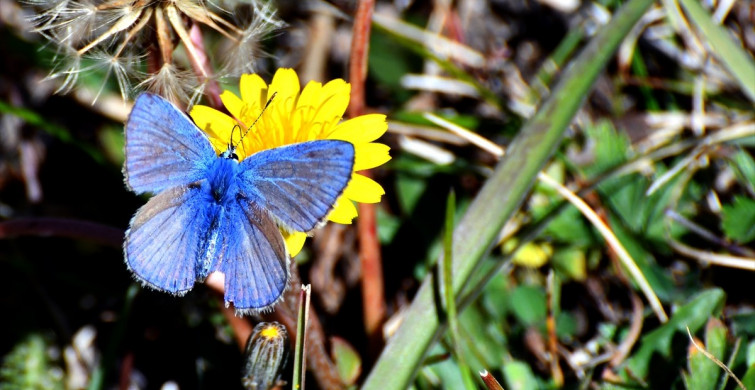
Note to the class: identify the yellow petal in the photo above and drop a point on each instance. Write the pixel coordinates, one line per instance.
(286, 84)
(334, 100)
(362, 129)
(234, 105)
(215, 124)
(307, 107)
(294, 242)
(370, 155)
(253, 89)
(363, 189)
(320, 108)
(343, 212)
(280, 130)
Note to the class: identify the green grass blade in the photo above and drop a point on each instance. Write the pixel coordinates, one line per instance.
(446, 263)
(733, 56)
(300, 363)
(502, 194)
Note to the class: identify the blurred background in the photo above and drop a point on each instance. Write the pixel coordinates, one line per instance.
(650, 119)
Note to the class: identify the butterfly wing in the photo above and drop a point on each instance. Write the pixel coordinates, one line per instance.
(166, 237)
(255, 262)
(164, 148)
(298, 184)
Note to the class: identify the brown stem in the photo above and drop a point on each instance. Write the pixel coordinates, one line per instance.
(59, 227)
(369, 247)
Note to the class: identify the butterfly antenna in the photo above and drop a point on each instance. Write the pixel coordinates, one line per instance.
(255, 121)
(236, 126)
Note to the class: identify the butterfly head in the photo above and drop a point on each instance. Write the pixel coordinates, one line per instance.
(231, 151)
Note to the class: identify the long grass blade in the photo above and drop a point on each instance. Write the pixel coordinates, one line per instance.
(448, 291)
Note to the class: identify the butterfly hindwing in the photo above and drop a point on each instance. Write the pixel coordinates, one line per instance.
(166, 238)
(298, 184)
(164, 148)
(255, 262)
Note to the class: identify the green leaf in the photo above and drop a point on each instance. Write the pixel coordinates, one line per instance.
(528, 304)
(389, 62)
(347, 359)
(704, 373)
(113, 142)
(28, 366)
(743, 324)
(610, 147)
(409, 190)
(738, 219)
(387, 225)
(566, 325)
(743, 165)
(749, 378)
(694, 314)
(519, 376)
(570, 263)
(486, 344)
(495, 297)
(569, 227)
(716, 335)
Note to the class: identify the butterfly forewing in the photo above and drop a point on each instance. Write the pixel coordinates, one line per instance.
(164, 149)
(166, 235)
(298, 184)
(255, 263)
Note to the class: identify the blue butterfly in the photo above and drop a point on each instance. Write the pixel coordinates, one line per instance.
(214, 213)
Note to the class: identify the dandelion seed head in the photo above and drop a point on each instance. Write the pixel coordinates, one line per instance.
(171, 83)
(118, 35)
(122, 68)
(242, 55)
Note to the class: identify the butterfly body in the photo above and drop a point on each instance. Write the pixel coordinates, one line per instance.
(214, 213)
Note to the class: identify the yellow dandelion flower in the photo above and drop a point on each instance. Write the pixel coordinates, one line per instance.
(295, 116)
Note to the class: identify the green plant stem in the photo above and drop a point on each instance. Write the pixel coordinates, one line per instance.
(300, 362)
(499, 198)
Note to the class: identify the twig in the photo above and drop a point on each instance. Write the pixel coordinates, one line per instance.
(706, 258)
(635, 329)
(369, 246)
(706, 234)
